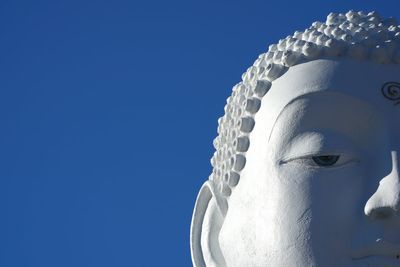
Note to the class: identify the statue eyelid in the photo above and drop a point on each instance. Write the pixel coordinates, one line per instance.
(344, 158)
(319, 143)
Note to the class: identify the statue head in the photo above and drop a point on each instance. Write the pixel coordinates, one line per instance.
(307, 164)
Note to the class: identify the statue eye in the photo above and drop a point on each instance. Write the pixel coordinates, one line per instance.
(326, 161)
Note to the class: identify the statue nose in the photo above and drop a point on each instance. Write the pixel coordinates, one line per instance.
(385, 202)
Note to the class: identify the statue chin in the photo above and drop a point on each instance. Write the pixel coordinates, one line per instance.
(320, 177)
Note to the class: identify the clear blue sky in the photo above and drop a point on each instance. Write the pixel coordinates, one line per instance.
(108, 110)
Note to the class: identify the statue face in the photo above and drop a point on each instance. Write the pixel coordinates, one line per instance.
(321, 186)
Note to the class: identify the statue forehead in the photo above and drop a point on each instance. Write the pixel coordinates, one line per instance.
(361, 80)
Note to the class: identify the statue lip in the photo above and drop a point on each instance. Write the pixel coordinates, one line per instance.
(380, 248)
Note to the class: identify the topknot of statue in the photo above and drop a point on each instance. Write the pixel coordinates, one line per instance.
(358, 35)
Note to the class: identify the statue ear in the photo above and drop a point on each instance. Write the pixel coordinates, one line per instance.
(208, 216)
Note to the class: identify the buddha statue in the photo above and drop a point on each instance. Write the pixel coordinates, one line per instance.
(307, 164)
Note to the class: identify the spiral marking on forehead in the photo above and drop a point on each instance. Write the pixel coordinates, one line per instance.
(391, 91)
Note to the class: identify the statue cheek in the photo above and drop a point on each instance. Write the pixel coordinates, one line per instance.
(332, 198)
(248, 234)
(237, 239)
(338, 195)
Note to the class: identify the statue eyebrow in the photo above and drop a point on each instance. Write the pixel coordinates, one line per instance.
(286, 106)
(391, 91)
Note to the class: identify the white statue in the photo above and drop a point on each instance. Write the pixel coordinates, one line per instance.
(307, 164)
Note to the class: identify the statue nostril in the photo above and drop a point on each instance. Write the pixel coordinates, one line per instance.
(381, 213)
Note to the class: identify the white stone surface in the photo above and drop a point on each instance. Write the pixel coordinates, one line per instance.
(306, 171)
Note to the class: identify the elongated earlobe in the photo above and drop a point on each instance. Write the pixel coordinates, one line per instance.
(206, 224)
